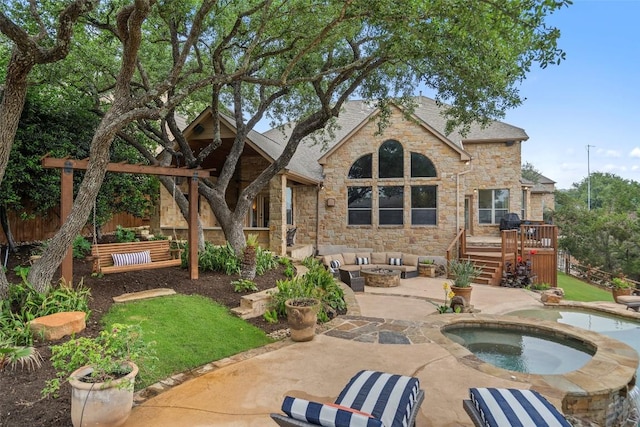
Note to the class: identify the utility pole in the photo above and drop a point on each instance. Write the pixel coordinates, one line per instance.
(588, 179)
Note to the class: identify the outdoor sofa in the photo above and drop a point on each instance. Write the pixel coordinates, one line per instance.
(371, 399)
(356, 261)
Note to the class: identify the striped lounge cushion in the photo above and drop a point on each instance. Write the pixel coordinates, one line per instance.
(386, 396)
(501, 407)
(327, 415)
(143, 257)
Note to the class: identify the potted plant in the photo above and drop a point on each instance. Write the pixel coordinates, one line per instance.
(302, 316)
(620, 287)
(463, 273)
(426, 268)
(101, 372)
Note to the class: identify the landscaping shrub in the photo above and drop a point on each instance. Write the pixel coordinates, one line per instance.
(318, 282)
(81, 247)
(217, 258)
(24, 303)
(265, 261)
(124, 235)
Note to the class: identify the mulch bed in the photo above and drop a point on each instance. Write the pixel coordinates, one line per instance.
(22, 404)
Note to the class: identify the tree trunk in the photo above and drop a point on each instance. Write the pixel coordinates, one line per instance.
(6, 227)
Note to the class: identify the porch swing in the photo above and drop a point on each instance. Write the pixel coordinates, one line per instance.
(132, 256)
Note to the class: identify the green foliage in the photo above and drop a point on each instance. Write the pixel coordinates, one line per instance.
(81, 247)
(620, 283)
(217, 258)
(125, 235)
(107, 354)
(265, 261)
(318, 282)
(244, 285)
(464, 272)
(63, 124)
(606, 236)
(24, 303)
(13, 356)
(540, 286)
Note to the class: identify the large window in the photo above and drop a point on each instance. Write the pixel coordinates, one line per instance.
(424, 203)
(361, 168)
(422, 166)
(359, 205)
(390, 160)
(492, 205)
(389, 193)
(390, 205)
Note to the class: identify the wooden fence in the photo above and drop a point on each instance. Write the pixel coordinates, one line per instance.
(587, 273)
(44, 227)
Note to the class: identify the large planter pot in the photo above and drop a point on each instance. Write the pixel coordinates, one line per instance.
(105, 404)
(464, 292)
(302, 315)
(619, 292)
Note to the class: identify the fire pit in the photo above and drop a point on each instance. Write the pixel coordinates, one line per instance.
(381, 277)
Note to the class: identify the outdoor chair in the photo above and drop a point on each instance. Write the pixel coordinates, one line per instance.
(502, 407)
(370, 399)
(352, 279)
(291, 236)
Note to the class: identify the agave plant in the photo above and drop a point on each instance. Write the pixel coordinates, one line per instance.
(11, 355)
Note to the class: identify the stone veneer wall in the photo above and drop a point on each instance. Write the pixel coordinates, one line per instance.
(494, 165)
(305, 213)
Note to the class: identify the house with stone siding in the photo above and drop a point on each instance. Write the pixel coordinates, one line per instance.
(408, 188)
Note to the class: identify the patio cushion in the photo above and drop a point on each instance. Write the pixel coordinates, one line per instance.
(131, 258)
(500, 407)
(335, 264)
(362, 261)
(327, 415)
(409, 259)
(395, 261)
(378, 258)
(388, 397)
(349, 257)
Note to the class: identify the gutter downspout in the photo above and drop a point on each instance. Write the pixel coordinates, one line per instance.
(458, 195)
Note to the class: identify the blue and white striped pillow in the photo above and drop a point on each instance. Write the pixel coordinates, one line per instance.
(362, 261)
(326, 415)
(388, 397)
(502, 407)
(335, 264)
(131, 258)
(395, 261)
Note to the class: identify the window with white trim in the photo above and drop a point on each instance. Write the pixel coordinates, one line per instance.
(492, 205)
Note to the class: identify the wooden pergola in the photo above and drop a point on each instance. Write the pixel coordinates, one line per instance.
(67, 167)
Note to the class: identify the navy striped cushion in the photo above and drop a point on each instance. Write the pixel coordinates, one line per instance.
(335, 264)
(386, 396)
(362, 261)
(325, 415)
(143, 257)
(501, 407)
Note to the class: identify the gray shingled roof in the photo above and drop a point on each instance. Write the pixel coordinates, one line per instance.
(353, 114)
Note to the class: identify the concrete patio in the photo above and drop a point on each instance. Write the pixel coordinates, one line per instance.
(244, 389)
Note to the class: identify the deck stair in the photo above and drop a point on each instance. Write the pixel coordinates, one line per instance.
(488, 258)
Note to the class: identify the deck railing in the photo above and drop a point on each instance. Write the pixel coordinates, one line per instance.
(458, 246)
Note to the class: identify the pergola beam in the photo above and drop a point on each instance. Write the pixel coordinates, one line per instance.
(50, 162)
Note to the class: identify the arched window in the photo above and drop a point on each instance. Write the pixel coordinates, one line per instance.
(390, 160)
(422, 166)
(361, 168)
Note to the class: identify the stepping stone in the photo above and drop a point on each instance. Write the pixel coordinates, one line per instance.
(58, 325)
(151, 293)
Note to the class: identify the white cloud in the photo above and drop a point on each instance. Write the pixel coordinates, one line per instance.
(612, 153)
(635, 152)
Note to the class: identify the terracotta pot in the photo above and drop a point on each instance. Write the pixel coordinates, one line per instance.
(101, 404)
(617, 292)
(463, 292)
(302, 315)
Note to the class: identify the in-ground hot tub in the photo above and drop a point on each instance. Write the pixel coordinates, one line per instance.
(596, 390)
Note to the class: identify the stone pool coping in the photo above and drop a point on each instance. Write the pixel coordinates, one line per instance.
(586, 391)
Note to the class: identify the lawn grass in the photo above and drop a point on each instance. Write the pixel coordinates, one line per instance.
(577, 290)
(187, 331)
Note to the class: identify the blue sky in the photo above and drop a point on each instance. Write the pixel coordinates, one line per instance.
(592, 98)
